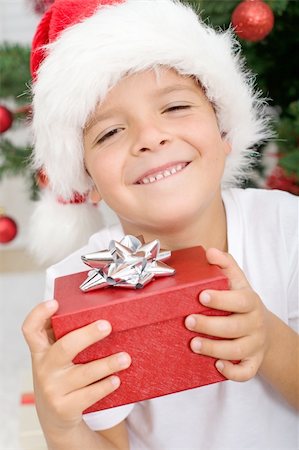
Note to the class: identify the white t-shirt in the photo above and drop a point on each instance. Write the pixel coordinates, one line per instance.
(263, 238)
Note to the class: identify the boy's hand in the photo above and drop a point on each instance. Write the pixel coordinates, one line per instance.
(63, 389)
(245, 330)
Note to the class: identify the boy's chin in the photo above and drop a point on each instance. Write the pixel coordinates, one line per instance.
(176, 222)
(161, 222)
(171, 220)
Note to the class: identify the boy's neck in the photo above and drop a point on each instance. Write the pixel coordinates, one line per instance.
(208, 230)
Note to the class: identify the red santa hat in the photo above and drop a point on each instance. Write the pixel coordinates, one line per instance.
(82, 48)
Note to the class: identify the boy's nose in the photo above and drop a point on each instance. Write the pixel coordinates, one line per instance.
(150, 138)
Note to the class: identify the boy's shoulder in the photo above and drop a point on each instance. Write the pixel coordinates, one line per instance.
(259, 193)
(259, 214)
(264, 201)
(262, 226)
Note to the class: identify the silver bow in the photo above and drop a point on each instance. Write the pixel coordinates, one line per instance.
(129, 263)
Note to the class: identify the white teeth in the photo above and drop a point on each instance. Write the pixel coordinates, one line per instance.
(164, 174)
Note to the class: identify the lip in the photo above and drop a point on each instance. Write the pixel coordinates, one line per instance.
(160, 169)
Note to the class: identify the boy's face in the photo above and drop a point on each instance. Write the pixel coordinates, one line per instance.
(155, 153)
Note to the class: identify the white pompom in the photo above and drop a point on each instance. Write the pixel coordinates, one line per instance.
(57, 229)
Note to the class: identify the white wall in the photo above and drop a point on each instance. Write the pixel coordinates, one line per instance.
(17, 21)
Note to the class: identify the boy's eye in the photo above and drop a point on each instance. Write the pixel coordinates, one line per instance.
(176, 108)
(108, 135)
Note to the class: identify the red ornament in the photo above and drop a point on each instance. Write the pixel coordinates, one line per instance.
(253, 20)
(8, 229)
(279, 179)
(6, 119)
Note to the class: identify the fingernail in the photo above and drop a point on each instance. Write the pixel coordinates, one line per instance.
(103, 325)
(190, 322)
(123, 360)
(115, 381)
(219, 365)
(205, 297)
(219, 251)
(196, 345)
(51, 303)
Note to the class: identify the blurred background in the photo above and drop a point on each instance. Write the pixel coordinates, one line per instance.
(267, 36)
(21, 280)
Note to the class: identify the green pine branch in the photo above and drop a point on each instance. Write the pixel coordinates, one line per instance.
(15, 72)
(290, 162)
(288, 144)
(14, 161)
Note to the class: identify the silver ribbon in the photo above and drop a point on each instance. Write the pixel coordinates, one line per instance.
(129, 263)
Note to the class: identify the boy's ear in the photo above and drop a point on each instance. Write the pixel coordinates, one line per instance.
(227, 145)
(94, 195)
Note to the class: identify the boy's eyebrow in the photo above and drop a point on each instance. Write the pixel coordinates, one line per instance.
(98, 117)
(175, 87)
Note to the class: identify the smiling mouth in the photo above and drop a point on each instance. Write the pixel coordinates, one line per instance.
(161, 174)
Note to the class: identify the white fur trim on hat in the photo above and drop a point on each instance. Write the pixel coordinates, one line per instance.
(90, 57)
(58, 229)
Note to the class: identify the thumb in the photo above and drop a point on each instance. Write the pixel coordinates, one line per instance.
(229, 267)
(37, 325)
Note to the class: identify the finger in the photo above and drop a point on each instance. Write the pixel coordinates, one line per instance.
(229, 267)
(66, 348)
(236, 350)
(83, 398)
(243, 371)
(85, 374)
(236, 301)
(36, 325)
(233, 326)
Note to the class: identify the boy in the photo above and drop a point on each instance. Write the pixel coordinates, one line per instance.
(145, 107)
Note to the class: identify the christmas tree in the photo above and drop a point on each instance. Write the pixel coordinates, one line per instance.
(15, 77)
(273, 59)
(265, 30)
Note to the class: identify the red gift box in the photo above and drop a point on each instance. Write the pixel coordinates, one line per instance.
(147, 323)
